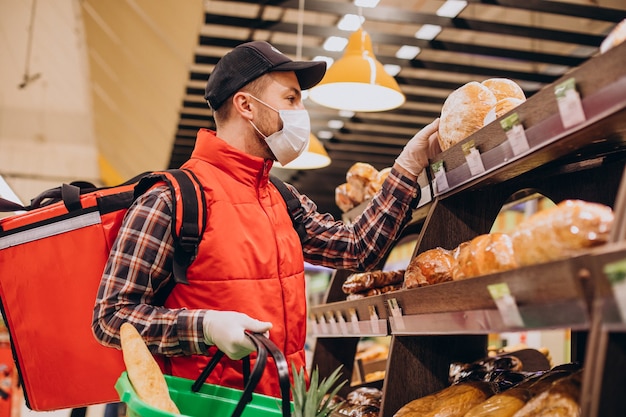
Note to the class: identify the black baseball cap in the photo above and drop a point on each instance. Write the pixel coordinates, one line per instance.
(249, 61)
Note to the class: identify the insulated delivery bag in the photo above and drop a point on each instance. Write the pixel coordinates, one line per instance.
(51, 261)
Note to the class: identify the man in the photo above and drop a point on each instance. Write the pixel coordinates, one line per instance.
(249, 272)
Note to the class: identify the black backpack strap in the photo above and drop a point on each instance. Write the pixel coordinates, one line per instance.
(296, 212)
(188, 216)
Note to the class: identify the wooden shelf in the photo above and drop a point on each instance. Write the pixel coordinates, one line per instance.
(433, 326)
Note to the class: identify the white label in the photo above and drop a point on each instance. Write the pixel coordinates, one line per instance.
(474, 161)
(374, 320)
(354, 320)
(515, 133)
(441, 181)
(569, 103)
(343, 328)
(323, 325)
(506, 304)
(396, 312)
(616, 274)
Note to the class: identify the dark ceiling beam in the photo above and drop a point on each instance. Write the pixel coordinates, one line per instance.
(392, 39)
(561, 8)
(391, 14)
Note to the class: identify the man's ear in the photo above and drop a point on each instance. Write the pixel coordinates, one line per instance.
(243, 104)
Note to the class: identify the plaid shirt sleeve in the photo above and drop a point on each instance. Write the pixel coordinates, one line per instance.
(362, 244)
(138, 269)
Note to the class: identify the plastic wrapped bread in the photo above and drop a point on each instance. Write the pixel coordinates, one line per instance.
(429, 267)
(463, 113)
(485, 254)
(453, 401)
(561, 231)
(560, 400)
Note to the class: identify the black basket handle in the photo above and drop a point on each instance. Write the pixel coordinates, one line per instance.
(264, 347)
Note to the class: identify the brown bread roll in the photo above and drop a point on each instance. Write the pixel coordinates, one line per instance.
(560, 400)
(463, 113)
(561, 231)
(454, 401)
(485, 254)
(342, 197)
(376, 184)
(360, 282)
(143, 371)
(502, 106)
(359, 176)
(504, 88)
(429, 267)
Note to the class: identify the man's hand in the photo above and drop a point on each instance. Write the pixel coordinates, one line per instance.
(424, 145)
(226, 330)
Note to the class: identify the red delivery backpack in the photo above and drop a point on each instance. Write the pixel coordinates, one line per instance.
(51, 262)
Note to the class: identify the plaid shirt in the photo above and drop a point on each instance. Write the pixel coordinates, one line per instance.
(140, 262)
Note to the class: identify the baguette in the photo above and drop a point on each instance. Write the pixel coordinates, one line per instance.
(143, 371)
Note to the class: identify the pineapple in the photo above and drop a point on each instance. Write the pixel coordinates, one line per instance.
(316, 401)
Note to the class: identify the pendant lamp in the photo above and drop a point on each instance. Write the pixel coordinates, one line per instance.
(358, 81)
(314, 157)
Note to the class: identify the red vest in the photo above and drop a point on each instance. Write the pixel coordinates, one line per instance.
(250, 260)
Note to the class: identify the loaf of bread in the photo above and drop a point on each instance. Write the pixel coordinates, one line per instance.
(561, 231)
(342, 197)
(454, 401)
(363, 281)
(429, 267)
(615, 37)
(463, 113)
(504, 88)
(485, 254)
(502, 106)
(359, 175)
(374, 291)
(143, 371)
(376, 184)
(560, 400)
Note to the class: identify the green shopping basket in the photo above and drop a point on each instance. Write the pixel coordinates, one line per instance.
(198, 399)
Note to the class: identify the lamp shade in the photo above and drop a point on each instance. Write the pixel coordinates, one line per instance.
(314, 157)
(358, 81)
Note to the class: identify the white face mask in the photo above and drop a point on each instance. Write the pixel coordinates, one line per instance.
(290, 142)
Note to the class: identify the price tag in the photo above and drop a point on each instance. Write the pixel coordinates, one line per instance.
(313, 323)
(354, 320)
(330, 317)
(374, 320)
(472, 156)
(343, 328)
(515, 133)
(616, 274)
(506, 304)
(569, 103)
(323, 325)
(441, 181)
(396, 312)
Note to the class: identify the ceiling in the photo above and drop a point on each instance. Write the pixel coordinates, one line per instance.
(532, 42)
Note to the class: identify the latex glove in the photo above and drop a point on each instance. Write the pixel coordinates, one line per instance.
(424, 145)
(225, 329)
